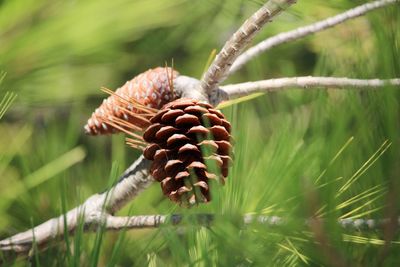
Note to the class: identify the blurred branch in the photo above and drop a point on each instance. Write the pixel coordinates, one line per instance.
(154, 221)
(94, 218)
(218, 71)
(243, 89)
(305, 31)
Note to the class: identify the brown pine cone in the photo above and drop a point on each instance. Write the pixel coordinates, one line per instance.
(141, 96)
(189, 143)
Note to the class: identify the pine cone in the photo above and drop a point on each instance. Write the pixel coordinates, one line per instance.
(150, 90)
(186, 137)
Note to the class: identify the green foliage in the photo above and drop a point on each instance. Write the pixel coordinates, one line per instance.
(298, 153)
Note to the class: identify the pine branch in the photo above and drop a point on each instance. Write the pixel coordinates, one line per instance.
(22, 243)
(188, 87)
(218, 71)
(305, 31)
(243, 89)
(135, 179)
(155, 221)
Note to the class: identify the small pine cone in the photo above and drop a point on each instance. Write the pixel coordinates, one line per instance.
(186, 139)
(151, 90)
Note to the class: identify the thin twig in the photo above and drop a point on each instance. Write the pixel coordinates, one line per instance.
(243, 89)
(219, 69)
(305, 31)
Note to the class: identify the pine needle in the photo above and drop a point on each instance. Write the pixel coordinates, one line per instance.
(170, 76)
(137, 105)
(122, 129)
(366, 240)
(334, 158)
(295, 253)
(210, 59)
(229, 103)
(6, 102)
(366, 194)
(365, 167)
(348, 214)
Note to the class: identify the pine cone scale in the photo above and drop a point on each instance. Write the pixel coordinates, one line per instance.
(199, 129)
(212, 119)
(189, 148)
(158, 116)
(182, 175)
(165, 132)
(195, 110)
(173, 165)
(150, 151)
(224, 147)
(151, 131)
(177, 140)
(171, 115)
(186, 120)
(163, 154)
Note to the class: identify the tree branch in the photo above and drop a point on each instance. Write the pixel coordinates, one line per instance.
(131, 183)
(218, 71)
(306, 30)
(135, 179)
(114, 223)
(188, 87)
(154, 221)
(243, 89)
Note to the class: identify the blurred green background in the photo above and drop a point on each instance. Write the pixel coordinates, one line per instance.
(299, 153)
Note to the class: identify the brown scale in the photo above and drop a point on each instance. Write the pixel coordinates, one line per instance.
(186, 138)
(134, 103)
